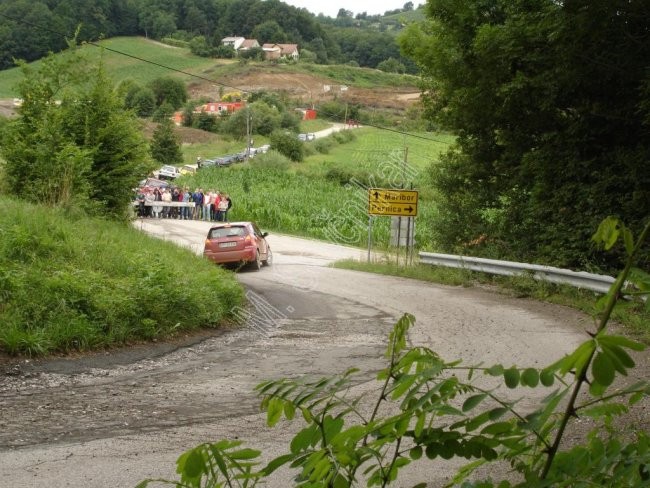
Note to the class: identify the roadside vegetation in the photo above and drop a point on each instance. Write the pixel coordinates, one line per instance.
(73, 283)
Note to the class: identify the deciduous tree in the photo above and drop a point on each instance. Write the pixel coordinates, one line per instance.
(547, 100)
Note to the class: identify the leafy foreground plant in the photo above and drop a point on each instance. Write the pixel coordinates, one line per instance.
(429, 407)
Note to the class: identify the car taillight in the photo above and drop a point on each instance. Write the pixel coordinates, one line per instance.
(248, 241)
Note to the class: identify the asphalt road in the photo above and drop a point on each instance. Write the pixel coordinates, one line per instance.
(111, 420)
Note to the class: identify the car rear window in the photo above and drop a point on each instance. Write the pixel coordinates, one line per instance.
(219, 232)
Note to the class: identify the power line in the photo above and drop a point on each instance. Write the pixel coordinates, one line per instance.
(192, 75)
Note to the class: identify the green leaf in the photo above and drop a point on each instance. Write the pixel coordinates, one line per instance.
(244, 454)
(306, 414)
(432, 450)
(511, 377)
(473, 401)
(608, 232)
(603, 369)
(332, 426)
(619, 357)
(605, 410)
(289, 410)
(419, 424)
(497, 428)
(303, 439)
(636, 397)
(477, 421)
(547, 377)
(596, 389)
(628, 240)
(497, 413)
(402, 385)
(276, 463)
(194, 465)
(402, 425)
(274, 412)
(620, 341)
(416, 453)
(640, 278)
(530, 377)
(496, 370)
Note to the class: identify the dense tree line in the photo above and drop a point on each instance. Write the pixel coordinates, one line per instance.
(551, 104)
(30, 29)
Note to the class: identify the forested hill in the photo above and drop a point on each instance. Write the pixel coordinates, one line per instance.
(29, 29)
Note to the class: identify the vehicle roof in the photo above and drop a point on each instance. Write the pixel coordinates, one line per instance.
(230, 224)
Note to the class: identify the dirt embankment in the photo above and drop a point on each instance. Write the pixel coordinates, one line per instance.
(311, 89)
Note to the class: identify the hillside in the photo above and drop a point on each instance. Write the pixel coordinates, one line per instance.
(144, 60)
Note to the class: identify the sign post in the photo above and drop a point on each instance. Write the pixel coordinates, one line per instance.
(399, 203)
(395, 203)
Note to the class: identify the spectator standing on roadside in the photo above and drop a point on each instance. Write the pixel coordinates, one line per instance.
(187, 198)
(207, 204)
(157, 197)
(216, 198)
(148, 200)
(197, 198)
(225, 215)
(175, 198)
(222, 208)
(140, 198)
(166, 198)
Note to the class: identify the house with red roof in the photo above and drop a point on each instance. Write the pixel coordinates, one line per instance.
(219, 108)
(280, 51)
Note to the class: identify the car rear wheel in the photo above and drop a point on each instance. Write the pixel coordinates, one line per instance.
(257, 264)
(269, 257)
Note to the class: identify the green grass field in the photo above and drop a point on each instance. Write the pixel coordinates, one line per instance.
(121, 67)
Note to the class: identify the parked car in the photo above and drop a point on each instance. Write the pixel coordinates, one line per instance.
(238, 242)
(153, 183)
(310, 136)
(168, 172)
(219, 161)
(189, 169)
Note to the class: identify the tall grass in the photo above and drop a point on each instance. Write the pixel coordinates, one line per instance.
(76, 284)
(326, 196)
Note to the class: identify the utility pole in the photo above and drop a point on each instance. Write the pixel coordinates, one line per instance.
(248, 133)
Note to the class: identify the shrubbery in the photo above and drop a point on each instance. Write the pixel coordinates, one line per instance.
(78, 284)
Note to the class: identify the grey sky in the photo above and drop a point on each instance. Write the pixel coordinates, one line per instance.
(331, 7)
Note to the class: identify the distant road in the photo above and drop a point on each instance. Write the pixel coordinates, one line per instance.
(336, 127)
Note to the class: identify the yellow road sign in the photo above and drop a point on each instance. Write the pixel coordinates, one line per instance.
(401, 203)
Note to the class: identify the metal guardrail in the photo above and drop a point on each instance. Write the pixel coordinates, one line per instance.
(577, 279)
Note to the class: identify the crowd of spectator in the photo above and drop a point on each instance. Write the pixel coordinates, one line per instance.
(211, 205)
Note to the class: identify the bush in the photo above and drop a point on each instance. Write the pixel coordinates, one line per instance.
(272, 160)
(344, 136)
(61, 291)
(323, 145)
(288, 144)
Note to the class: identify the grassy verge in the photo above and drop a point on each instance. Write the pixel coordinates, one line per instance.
(78, 284)
(632, 315)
